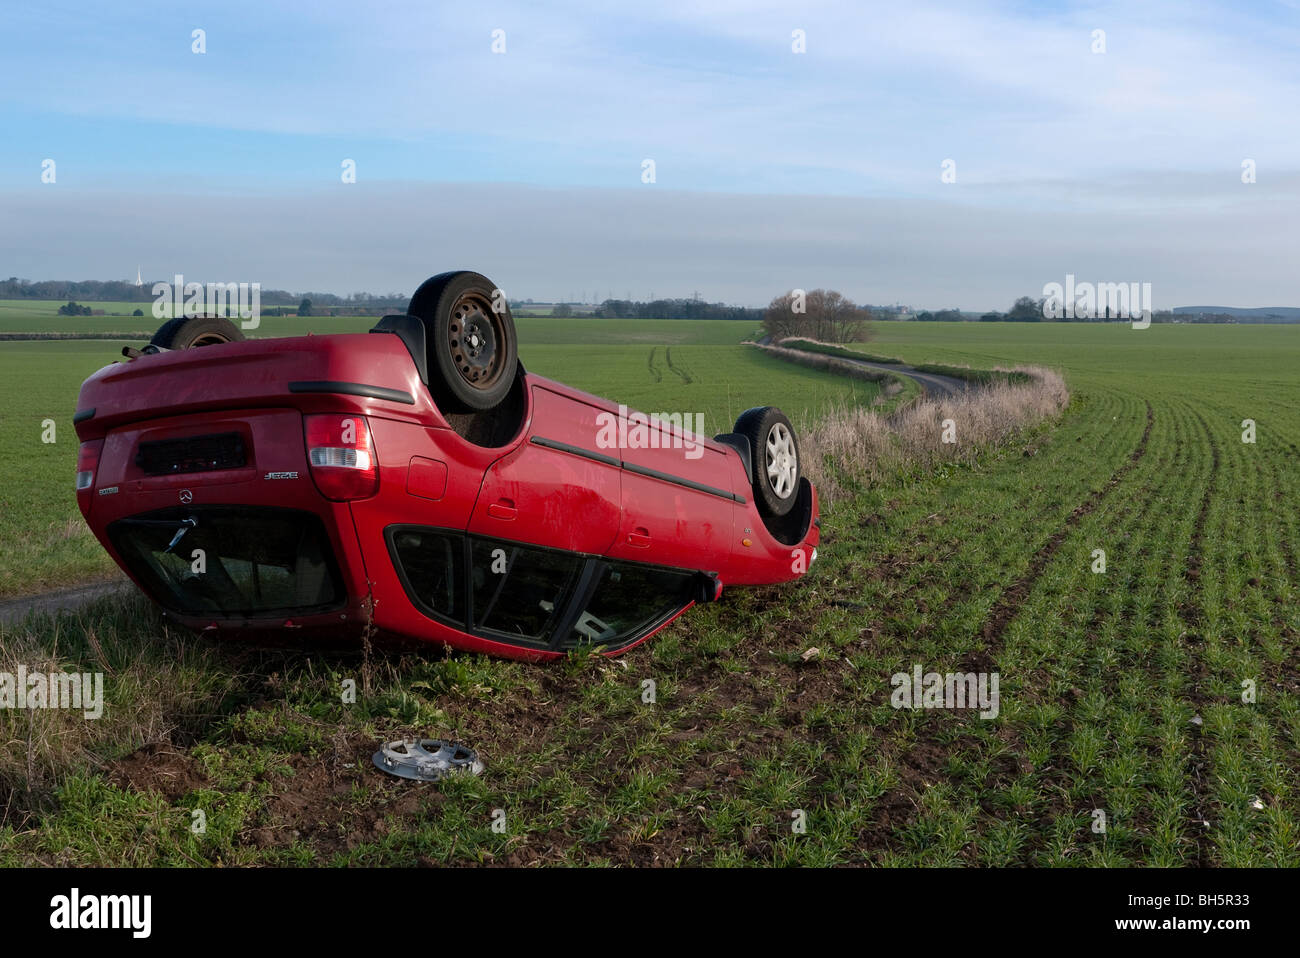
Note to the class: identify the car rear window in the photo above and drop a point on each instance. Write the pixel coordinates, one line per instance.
(232, 562)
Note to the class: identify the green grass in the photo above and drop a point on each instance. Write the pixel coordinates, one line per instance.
(47, 545)
(719, 381)
(978, 568)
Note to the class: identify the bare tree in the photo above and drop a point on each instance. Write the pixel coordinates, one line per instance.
(825, 315)
(782, 318)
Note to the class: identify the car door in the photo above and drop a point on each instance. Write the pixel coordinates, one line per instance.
(678, 501)
(558, 489)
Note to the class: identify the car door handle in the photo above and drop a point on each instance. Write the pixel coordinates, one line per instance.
(639, 538)
(502, 509)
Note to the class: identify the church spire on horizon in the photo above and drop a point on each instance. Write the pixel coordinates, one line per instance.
(138, 280)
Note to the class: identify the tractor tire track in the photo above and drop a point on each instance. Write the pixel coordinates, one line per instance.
(1014, 596)
(650, 364)
(681, 371)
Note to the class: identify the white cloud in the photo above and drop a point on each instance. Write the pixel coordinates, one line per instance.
(884, 93)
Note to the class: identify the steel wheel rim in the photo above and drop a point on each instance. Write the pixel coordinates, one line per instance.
(782, 461)
(475, 337)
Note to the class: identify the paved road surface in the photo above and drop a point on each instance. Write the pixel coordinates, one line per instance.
(934, 384)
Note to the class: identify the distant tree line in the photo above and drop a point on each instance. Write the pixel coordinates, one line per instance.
(940, 316)
(1219, 318)
(1026, 309)
(121, 291)
(668, 309)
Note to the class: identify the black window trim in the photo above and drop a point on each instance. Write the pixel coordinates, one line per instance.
(595, 572)
(558, 616)
(352, 389)
(429, 612)
(579, 588)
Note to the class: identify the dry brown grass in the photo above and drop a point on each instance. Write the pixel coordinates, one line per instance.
(889, 382)
(158, 685)
(865, 443)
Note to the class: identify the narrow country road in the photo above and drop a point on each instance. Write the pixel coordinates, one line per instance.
(934, 384)
(13, 611)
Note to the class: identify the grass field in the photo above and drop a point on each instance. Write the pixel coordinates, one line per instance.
(663, 366)
(1121, 691)
(45, 541)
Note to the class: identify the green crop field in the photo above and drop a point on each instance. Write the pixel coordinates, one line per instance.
(45, 542)
(663, 366)
(1160, 696)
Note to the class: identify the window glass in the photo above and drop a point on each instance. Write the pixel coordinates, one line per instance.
(629, 599)
(519, 591)
(433, 562)
(218, 561)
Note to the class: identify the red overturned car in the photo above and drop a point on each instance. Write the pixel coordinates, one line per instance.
(416, 482)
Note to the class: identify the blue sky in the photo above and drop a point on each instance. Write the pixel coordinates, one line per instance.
(1143, 141)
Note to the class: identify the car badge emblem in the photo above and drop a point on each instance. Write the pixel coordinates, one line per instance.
(186, 495)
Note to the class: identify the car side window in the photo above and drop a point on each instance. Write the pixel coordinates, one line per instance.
(433, 563)
(628, 600)
(520, 591)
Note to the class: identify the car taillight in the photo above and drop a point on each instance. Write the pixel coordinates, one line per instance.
(87, 463)
(342, 456)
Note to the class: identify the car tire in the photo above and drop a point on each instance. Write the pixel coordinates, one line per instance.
(473, 347)
(188, 332)
(774, 459)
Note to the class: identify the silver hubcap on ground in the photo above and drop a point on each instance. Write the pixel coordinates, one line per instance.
(782, 461)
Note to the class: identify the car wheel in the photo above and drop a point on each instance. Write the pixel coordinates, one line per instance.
(471, 338)
(774, 456)
(187, 332)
